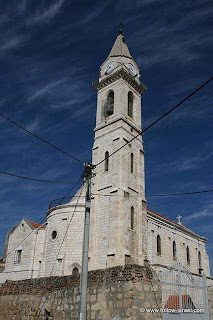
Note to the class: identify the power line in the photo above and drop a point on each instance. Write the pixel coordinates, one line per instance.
(41, 223)
(33, 179)
(38, 311)
(66, 195)
(179, 194)
(158, 195)
(182, 116)
(66, 231)
(166, 127)
(157, 120)
(40, 138)
(80, 179)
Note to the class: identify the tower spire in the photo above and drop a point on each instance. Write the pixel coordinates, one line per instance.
(120, 47)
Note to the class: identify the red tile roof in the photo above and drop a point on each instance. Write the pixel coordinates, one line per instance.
(169, 220)
(36, 225)
(173, 302)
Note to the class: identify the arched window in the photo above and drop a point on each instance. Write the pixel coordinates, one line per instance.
(18, 254)
(54, 234)
(174, 250)
(158, 245)
(199, 259)
(130, 104)
(109, 106)
(75, 271)
(132, 162)
(132, 218)
(187, 255)
(106, 161)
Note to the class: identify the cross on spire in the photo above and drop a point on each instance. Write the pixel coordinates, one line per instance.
(121, 28)
(179, 217)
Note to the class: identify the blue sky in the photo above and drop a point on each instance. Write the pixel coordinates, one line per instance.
(50, 52)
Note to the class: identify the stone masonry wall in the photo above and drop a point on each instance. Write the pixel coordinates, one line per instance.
(115, 293)
(210, 294)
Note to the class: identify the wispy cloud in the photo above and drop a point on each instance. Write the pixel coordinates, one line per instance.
(46, 14)
(95, 12)
(3, 18)
(22, 5)
(194, 162)
(205, 212)
(84, 110)
(46, 89)
(180, 41)
(186, 163)
(68, 104)
(34, 125)
(12, 42)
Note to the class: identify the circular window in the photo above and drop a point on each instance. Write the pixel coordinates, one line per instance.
(54, 235)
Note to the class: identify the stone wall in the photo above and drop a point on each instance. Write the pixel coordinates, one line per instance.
(114, 293)
(210, 294)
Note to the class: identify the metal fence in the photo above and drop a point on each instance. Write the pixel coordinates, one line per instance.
(184, 296)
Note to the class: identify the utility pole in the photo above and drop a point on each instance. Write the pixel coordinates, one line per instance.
(82, 313)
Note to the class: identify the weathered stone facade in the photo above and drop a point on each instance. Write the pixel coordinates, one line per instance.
(31, 251)
(122, 230)
(170, 232)
(115, 293)
(210, 294)
(121, 187)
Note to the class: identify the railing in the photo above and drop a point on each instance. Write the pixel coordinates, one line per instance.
(59, 202)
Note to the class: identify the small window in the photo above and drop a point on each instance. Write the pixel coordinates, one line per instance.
(187, 255)
(54, 235)
(130, 104)
(132, 162)
(109, 106)
(199, 260)
(18, 254)
(106, 161)
(132, 218)
(75, 271)
(127, 259)
(158, 245)
(174, 251)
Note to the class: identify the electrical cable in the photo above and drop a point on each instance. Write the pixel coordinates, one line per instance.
(80, 179)
(158, 119)
(180, 193)
(66, 230)
(38, 311)
(40, 138)
(167, 126)
(159, 195)
(33, 179)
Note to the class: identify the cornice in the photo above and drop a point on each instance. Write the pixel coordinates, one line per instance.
(167, 222)
(63, 206)
(123, 74)
(118, 118)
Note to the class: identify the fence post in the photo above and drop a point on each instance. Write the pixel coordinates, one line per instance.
(180, 290)
(205, 297)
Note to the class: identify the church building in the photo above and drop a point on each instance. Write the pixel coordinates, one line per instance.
(122, 229)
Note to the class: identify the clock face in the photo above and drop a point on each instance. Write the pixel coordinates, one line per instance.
(132, 69)
(110, 67)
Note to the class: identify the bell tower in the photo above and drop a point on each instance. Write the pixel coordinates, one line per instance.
(118, 210)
